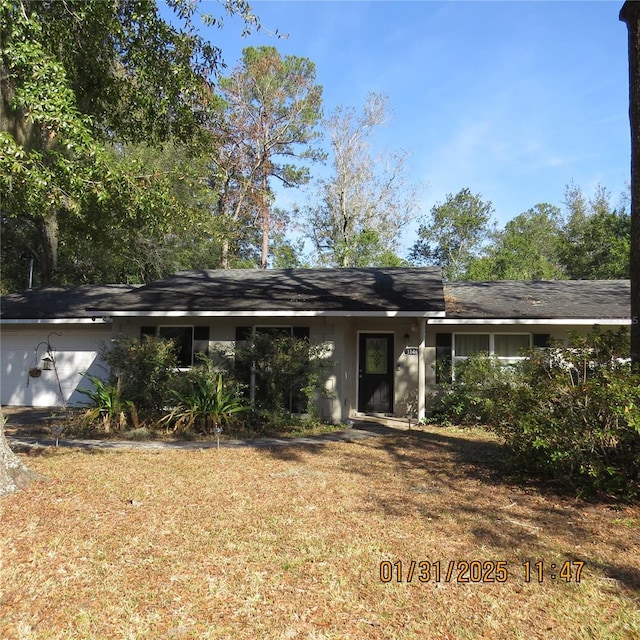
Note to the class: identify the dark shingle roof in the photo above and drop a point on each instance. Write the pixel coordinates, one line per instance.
(346, 291)
(539, 299)
(57, 302)
(287, 290)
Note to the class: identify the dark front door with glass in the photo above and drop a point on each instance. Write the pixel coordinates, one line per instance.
(375, 373)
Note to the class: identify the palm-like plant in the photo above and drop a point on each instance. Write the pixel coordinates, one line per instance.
(203, 405)
(107, 404)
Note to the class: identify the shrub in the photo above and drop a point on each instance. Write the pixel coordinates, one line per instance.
(144, 371)
(570, 413)
(286, 369)
(475, 397)
(575, 414)
(203, 402)
(107, 405)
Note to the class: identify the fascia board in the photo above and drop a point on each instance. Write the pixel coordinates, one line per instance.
(270, 314)
(93, 320)
(531, 321)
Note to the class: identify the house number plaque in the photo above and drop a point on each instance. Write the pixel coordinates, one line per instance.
(411, 351)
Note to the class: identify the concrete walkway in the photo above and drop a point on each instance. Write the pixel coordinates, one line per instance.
(363, 428)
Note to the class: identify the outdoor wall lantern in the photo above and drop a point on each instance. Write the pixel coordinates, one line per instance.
(48, 363)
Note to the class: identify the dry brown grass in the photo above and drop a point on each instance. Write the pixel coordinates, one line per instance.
(287, 543)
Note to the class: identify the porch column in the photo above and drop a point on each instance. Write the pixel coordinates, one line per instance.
(422, 368)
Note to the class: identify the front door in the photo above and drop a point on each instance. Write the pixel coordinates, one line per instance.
(375, 373)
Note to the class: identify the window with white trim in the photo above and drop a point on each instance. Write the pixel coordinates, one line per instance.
(506, 347)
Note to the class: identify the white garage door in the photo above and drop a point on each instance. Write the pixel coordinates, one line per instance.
(75, 351)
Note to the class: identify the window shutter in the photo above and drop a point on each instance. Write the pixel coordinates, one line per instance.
(201, 340)
(443, 358)
(541, 340)
(243, 333)
(302, 333)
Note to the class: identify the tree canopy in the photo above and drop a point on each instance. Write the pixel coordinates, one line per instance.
(355, 216)
(272, 106)
(78, 79)
(589, 241)
(455, 233)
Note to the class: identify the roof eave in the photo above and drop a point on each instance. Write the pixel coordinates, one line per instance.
(287, 313)
(92, 320)
(532, 321)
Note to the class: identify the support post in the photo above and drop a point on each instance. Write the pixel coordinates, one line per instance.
(422, 369)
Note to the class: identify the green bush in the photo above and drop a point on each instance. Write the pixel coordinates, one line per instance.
(575, 414)
(144, 371)
(107, 405)
(145, 387)
(475, 397)
(204, 402)
(286, 371)
(570, 413)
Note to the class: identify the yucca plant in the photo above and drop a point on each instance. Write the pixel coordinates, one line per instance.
(204, 404)
(107, 404)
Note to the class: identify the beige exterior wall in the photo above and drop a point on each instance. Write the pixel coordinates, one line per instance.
(339, 400)
(78, 348)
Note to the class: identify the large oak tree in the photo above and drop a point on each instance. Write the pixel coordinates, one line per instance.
(79, 78)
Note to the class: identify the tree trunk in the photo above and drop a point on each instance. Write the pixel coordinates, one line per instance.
(13, 473)
(630, 13)
(266, 220)
(47, 227)
(224, 255)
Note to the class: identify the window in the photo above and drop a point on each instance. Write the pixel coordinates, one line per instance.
(507, 347)
(183, 339)
(245, 333)
(471, 344)
(189, 340)
(251, 372)
(443, 357)
(376, 355)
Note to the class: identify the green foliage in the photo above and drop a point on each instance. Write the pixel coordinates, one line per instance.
(454, 234)
(107, 405)
(570, 413)
(286, 253)
(596, 242)
(474, 397)
(592, 241)
(133, 234)
(78, 78)
(527, 249)
(144, 371)
(287, 371)
(204, 402)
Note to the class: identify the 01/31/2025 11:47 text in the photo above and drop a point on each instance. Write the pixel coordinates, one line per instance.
(479, 571)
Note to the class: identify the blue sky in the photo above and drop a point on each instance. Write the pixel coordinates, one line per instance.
(512, 99)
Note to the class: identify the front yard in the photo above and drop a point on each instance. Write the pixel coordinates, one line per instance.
(289, 542)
